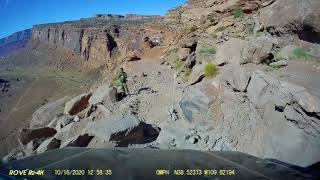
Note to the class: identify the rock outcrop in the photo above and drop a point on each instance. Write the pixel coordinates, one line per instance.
(77, 104)
(298, 17)
(123, 131)
(44, 115)
(98, 39)
(251, 102)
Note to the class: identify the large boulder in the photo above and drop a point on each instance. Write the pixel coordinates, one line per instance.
(195, 104)
(236, 76)
(259, 50)
(231, 52)
(300, 17)
(100, 112)
(77, 104)
(238, 51)
(62, 121)
(71, 131)
(27, 135)
(43, 116)
(291, 113)
(123, 131)
(197, 74)
(104, 94)
(241, 128)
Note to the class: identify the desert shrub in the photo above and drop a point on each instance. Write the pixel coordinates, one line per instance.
(299, 53)
(207, 51)
(210, 70)
(193, 28)
(211, 18)
(177, 63)
(238, 13)
(115, 82)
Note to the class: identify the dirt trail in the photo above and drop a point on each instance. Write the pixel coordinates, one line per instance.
(155, 84)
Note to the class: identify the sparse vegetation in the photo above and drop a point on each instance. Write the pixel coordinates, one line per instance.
(221, 28)
(186, 75)
(300, 54)
(115, 82)
(271, 68)
(207, 51)
(238, 13)
(177, 63)
(210, 70)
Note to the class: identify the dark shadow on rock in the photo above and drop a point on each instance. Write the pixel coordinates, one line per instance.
(201, 77)
(81, 105)
(54, 144)
(120, 96)
(142, 134)
(81, 141)
(27, 135)
(307, 33)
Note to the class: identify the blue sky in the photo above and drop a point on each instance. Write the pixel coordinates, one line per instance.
(16, 15)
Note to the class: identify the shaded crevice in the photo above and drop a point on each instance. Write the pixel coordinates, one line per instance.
(307, 33)
(198, 80)
(62, 37)
(48, 35)
(80, 40)
(54, 144)
(279, 108)
(311, 114)
(246, 89)
(111, 44)
(222, 64)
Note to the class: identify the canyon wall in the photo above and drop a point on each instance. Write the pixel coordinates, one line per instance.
(99, 39)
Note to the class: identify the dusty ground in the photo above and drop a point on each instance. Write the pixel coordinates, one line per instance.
(151, 84)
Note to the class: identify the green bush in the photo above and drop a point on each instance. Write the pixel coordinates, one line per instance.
(238, 13)
(210, 70)
(299, 53)
(207, 51)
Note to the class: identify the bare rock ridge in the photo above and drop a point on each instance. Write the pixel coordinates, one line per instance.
(15, 41)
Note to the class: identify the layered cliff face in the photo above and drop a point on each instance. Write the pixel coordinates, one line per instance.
(13, 42)
(98, 39)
